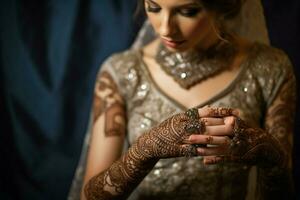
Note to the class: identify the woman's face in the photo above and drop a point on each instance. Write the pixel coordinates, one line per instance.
(181, 24)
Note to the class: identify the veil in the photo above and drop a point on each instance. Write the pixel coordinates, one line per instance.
(249, 24)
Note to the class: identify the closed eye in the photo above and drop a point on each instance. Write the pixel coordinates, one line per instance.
(154, 9)
(190, 12)
(151, 6)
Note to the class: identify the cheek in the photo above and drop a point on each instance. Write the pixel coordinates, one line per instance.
(196, 28)
(154, 21)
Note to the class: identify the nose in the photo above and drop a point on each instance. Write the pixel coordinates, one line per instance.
(168, 25)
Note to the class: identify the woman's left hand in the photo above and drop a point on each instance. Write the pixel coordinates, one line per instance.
(230, 139)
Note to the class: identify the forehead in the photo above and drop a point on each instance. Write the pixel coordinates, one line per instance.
(174, 3)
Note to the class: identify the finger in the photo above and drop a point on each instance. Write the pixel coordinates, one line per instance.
(212, 160)
(207, 139)
(229, 120)
(211, 151)
(220, 130)
(209, 121)
(217, 112)
(188, 150)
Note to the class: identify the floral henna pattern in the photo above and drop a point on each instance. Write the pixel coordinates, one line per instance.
(219, 111)
(280, 123)
(165, 140)
(255, 146)
(272, 146)
(269, 149)
(162, 141)
(107, 100)
(280, 116)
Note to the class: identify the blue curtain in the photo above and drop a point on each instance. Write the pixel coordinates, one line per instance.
(50, 54)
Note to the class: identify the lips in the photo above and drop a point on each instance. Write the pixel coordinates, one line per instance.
(172, 43)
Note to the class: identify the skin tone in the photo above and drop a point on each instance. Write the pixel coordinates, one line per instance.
(183, 26)
(104, 150)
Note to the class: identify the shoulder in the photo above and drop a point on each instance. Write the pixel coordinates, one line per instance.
(268, 58)
(267, 62)
(271, 67)
(124, 68)
(123, 58)
(121, 64)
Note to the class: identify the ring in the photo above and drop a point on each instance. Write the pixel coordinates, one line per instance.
(190, 151)
(199, 145)
(192, 114)
(238, 135)
(195, 127)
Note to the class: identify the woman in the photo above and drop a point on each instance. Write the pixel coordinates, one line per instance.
(144, 97)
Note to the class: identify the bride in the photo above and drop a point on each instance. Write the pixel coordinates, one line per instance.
(200, 111)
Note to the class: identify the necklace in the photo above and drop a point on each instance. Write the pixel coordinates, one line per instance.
(191, 67)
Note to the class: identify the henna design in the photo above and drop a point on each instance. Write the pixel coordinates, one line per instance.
(217, 112)
(163, 141)
(115, 122)
(271, 147)
(121, 178)
(277, 182)
(209, 140)
(280, 117)
(254, 146)
(205, 121)
(107, 100)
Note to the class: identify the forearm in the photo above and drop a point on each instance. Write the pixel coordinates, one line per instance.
(163, 141)
(256, 146)
(275, 174)
(119, 180)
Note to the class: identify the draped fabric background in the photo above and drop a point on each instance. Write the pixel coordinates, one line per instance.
(50, 52)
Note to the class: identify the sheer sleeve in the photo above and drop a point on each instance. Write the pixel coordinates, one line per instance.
(276, 182)
(107, 99)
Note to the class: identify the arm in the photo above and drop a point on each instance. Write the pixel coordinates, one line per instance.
(108, 129)
(125, 174)
(163, 141)
(276, 182)
(269, 148)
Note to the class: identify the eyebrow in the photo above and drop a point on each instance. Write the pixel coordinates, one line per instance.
(179, 6)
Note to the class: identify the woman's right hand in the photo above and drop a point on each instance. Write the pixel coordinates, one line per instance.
(170, 138)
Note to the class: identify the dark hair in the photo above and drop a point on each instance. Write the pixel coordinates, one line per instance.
(226, 9)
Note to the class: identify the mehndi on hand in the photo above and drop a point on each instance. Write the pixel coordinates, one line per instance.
(163, 141)
(253, 146)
